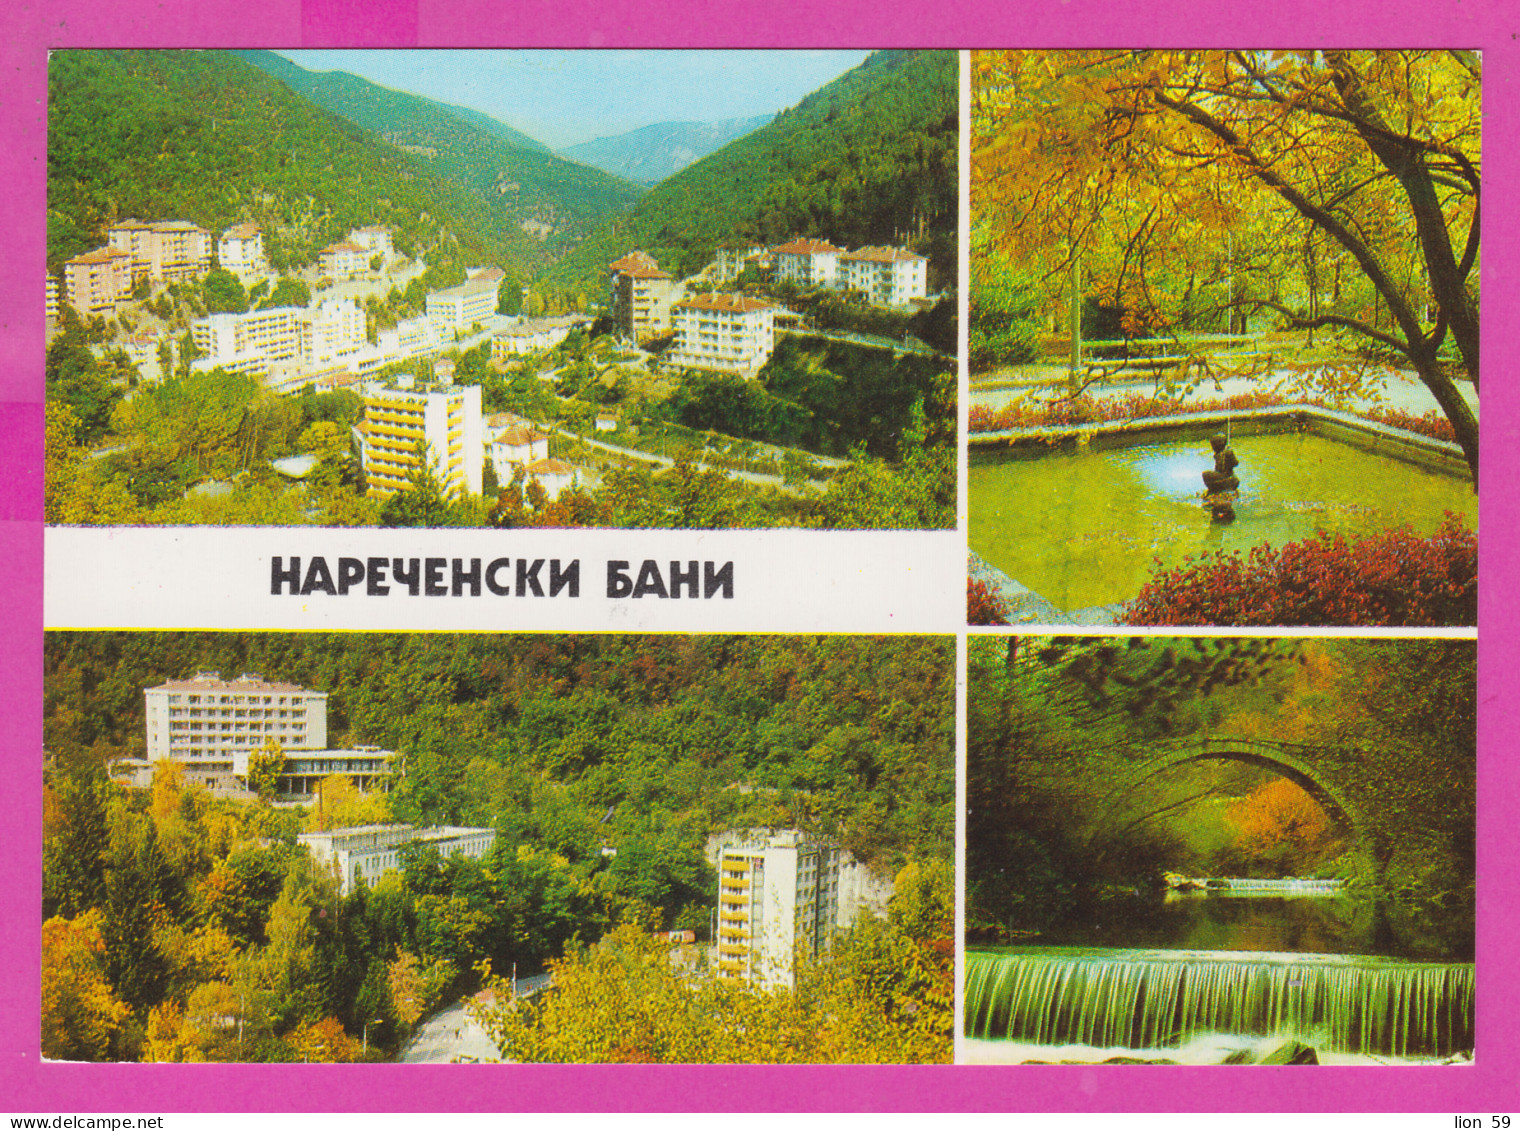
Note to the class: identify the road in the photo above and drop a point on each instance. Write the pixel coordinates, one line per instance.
(452, 1036)
(755, 477)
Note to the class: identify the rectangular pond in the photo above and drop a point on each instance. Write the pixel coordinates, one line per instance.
(1086, 526)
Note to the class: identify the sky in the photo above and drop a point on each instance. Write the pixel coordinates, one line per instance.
(563, 98)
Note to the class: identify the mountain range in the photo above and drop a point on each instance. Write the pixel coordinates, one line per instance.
(651, 153)
(224, 137)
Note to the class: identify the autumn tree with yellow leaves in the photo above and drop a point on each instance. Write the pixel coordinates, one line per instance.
(1181, 187)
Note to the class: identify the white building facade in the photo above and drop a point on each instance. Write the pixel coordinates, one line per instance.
(887, 276)
(459, 308)
(734, 333)
(446, 422)
(808, 263)
(778, 895)
(206, 722)
(361, 855)
(241, 251)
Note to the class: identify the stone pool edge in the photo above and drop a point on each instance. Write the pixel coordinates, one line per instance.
(1443, 454)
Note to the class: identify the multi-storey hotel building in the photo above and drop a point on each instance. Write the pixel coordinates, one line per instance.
(887, 276)
(93, 283)
(735, 333)
(206, 721)
(641, 296)
(165, 251)
(446, 423)
(776, 895)
(363, 854)
(474, 300)
(241, 250)
(808, 263)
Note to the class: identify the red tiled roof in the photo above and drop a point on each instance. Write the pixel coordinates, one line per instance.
(725, 303)
(634, 259)
(806, 247)
(516, 436)
(884, 255)
(344, 246)
(551, 467)
(100, 255)
(241, 232)
(645, 273)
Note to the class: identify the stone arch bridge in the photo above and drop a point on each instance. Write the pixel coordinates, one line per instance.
(1318, 770)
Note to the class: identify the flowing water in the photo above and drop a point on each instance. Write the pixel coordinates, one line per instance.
(1084, 528)
(1203, 972)
(1149, 999)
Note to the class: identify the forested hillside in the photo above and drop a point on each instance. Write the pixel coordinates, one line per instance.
(603, 763)
(869, 159)
(204, 136)
(519, 178)
(845, 735)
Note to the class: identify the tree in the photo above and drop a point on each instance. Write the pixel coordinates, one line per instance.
(1121, 161)
(265, 765)
(509, 296)
(288, 291)
(75, 379)
(223, 293)
(82, 1018)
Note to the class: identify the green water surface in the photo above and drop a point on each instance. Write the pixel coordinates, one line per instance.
(1085, 528)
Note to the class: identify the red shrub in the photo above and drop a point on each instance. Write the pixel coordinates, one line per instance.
(1394, 578)
(983, 605)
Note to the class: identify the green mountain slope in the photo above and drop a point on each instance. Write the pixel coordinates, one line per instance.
(652, 153)
(870, 158)
(204, 136)
(558, 201)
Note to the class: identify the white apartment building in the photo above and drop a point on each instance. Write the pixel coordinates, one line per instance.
(207, 722)
(331, 331)
(734, 333)
(361, 855)
(93, 283)
(777, 894)
(343, 260)
(640, 296)
(52, 298)
(316, 337)
(375, 240)
(887, 276)
(533, 335)
(241, 251)
(445, 421)
(474, 300)
(733, 258)
(808, 263)
(410, 338)
(163, 251)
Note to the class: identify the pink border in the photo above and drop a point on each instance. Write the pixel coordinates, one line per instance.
(28, 30)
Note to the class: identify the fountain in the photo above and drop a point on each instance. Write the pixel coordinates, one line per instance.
(1035, 515)
(1221, 485)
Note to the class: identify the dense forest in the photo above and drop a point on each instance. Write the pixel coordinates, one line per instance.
(603, 762)
(1062, 813)
(869, 159)
(519, 177)
(206, 137)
